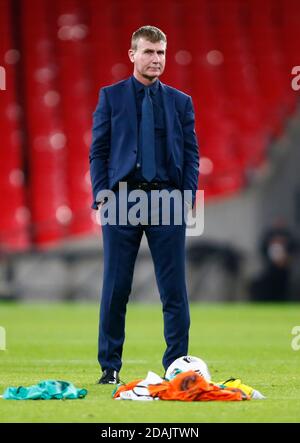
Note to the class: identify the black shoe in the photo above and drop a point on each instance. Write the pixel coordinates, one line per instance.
(109, 377)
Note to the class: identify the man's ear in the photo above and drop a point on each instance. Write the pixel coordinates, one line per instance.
(131, 55)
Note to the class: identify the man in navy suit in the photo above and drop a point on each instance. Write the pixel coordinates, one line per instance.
(143, 135)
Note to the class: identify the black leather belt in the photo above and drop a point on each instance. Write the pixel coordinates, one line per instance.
(145, 186)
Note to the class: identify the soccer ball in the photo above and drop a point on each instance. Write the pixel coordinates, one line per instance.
(187, 363)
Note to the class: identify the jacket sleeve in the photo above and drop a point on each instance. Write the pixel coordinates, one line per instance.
(191, 151)
(100, 147)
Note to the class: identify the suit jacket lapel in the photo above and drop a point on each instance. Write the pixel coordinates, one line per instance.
(169, 105)
(131, 105)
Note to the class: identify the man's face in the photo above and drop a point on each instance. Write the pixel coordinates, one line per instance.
(149, 59)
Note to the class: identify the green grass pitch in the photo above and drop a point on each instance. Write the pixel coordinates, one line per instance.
(59, 341)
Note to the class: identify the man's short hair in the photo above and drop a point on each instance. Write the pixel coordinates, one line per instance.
(150, 33)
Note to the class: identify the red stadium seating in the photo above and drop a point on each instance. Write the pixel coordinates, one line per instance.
(233, 56)
(14, 213)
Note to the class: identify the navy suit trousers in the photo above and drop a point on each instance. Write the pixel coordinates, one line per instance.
(167, 246)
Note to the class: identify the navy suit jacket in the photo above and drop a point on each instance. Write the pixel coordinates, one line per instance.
(114, 147)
